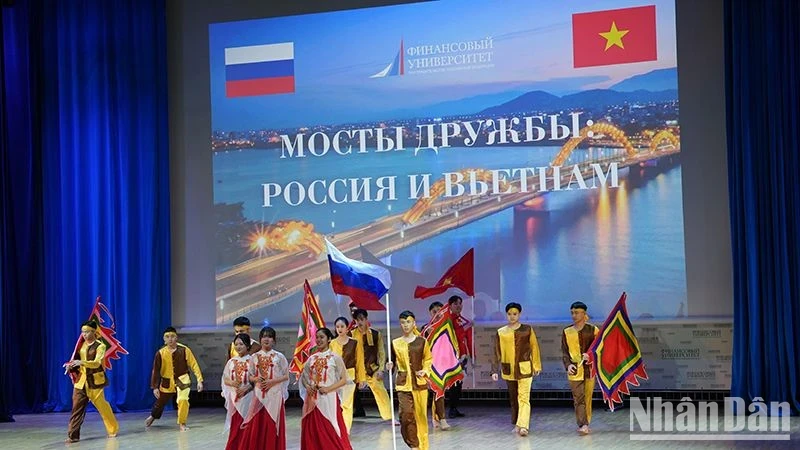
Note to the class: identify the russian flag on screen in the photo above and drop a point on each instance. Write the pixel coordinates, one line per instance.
(364, 283)
(259, 70)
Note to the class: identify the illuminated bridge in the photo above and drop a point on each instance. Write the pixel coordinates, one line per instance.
(299, 250)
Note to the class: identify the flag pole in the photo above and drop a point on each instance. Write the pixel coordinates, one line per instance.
(472, 342)
(388, 373)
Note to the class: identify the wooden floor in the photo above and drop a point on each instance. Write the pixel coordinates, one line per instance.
(484, 427)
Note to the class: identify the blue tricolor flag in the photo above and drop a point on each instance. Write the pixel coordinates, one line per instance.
(364, 283)
(259, 70)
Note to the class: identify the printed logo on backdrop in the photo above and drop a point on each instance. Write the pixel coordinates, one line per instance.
(680, 353)
(440, 57)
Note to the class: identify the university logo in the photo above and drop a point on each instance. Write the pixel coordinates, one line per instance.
(396, 67)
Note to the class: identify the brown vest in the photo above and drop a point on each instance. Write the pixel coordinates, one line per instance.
(180, 366)
(416, 352)
(349, 354)
(522, 351)
(371, 353)
(95, 378)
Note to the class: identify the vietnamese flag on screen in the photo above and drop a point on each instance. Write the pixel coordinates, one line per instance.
(615, 36)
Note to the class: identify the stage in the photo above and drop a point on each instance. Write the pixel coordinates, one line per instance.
(484, 427)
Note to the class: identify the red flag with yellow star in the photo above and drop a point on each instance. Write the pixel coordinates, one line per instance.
(461, 275)
(615, 36)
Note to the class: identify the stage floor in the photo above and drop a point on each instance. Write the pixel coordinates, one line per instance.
(484, 427)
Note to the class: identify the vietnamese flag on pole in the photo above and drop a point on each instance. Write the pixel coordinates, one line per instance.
(459, 275)
(615, 36)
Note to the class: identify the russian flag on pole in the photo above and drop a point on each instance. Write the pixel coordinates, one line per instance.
(364, 283)
(259, 70)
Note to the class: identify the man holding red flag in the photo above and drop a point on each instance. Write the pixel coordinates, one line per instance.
(460, 275)
(575, 342)
(87, 362)
(463, 327)
(95, 348)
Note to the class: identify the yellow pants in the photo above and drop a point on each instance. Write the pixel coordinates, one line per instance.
(348, 393)
(414, 418)
(183, 405)
(81, 398)
(582, 399)
(519, 395)
(381, 397)
(165, 397)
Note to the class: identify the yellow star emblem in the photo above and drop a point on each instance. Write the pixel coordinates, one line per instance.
(447, 281)
(614, 36)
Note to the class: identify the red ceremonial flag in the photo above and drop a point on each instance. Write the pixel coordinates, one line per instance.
(461, 275)
(615, 356)
(615, 36)
(310, 321)
(105, 334)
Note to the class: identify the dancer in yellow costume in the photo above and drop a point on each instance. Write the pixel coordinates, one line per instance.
(575, 342)
(88, 360)
(411, 355)
(517, 356)
(348, 349)
(170, 375)
(370, 373)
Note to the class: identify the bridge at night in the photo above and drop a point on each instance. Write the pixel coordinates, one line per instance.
(296, 251)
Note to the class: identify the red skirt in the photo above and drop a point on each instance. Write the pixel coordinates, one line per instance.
(262, 433)
(317, 433)
(237, 434)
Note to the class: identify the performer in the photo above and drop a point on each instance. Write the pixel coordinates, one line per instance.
(370, 373)
(237, 391)
(348, 349)
(88, 360)
(170, 375)
(463, 328)
(412, 356)
(437, 411)
(517, 353)
(265, 423)
(241, 325)
(575, 342)
(324, 374)
(358, 408)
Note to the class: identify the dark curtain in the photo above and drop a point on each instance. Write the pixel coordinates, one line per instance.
(763, 105)
(85, 192)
